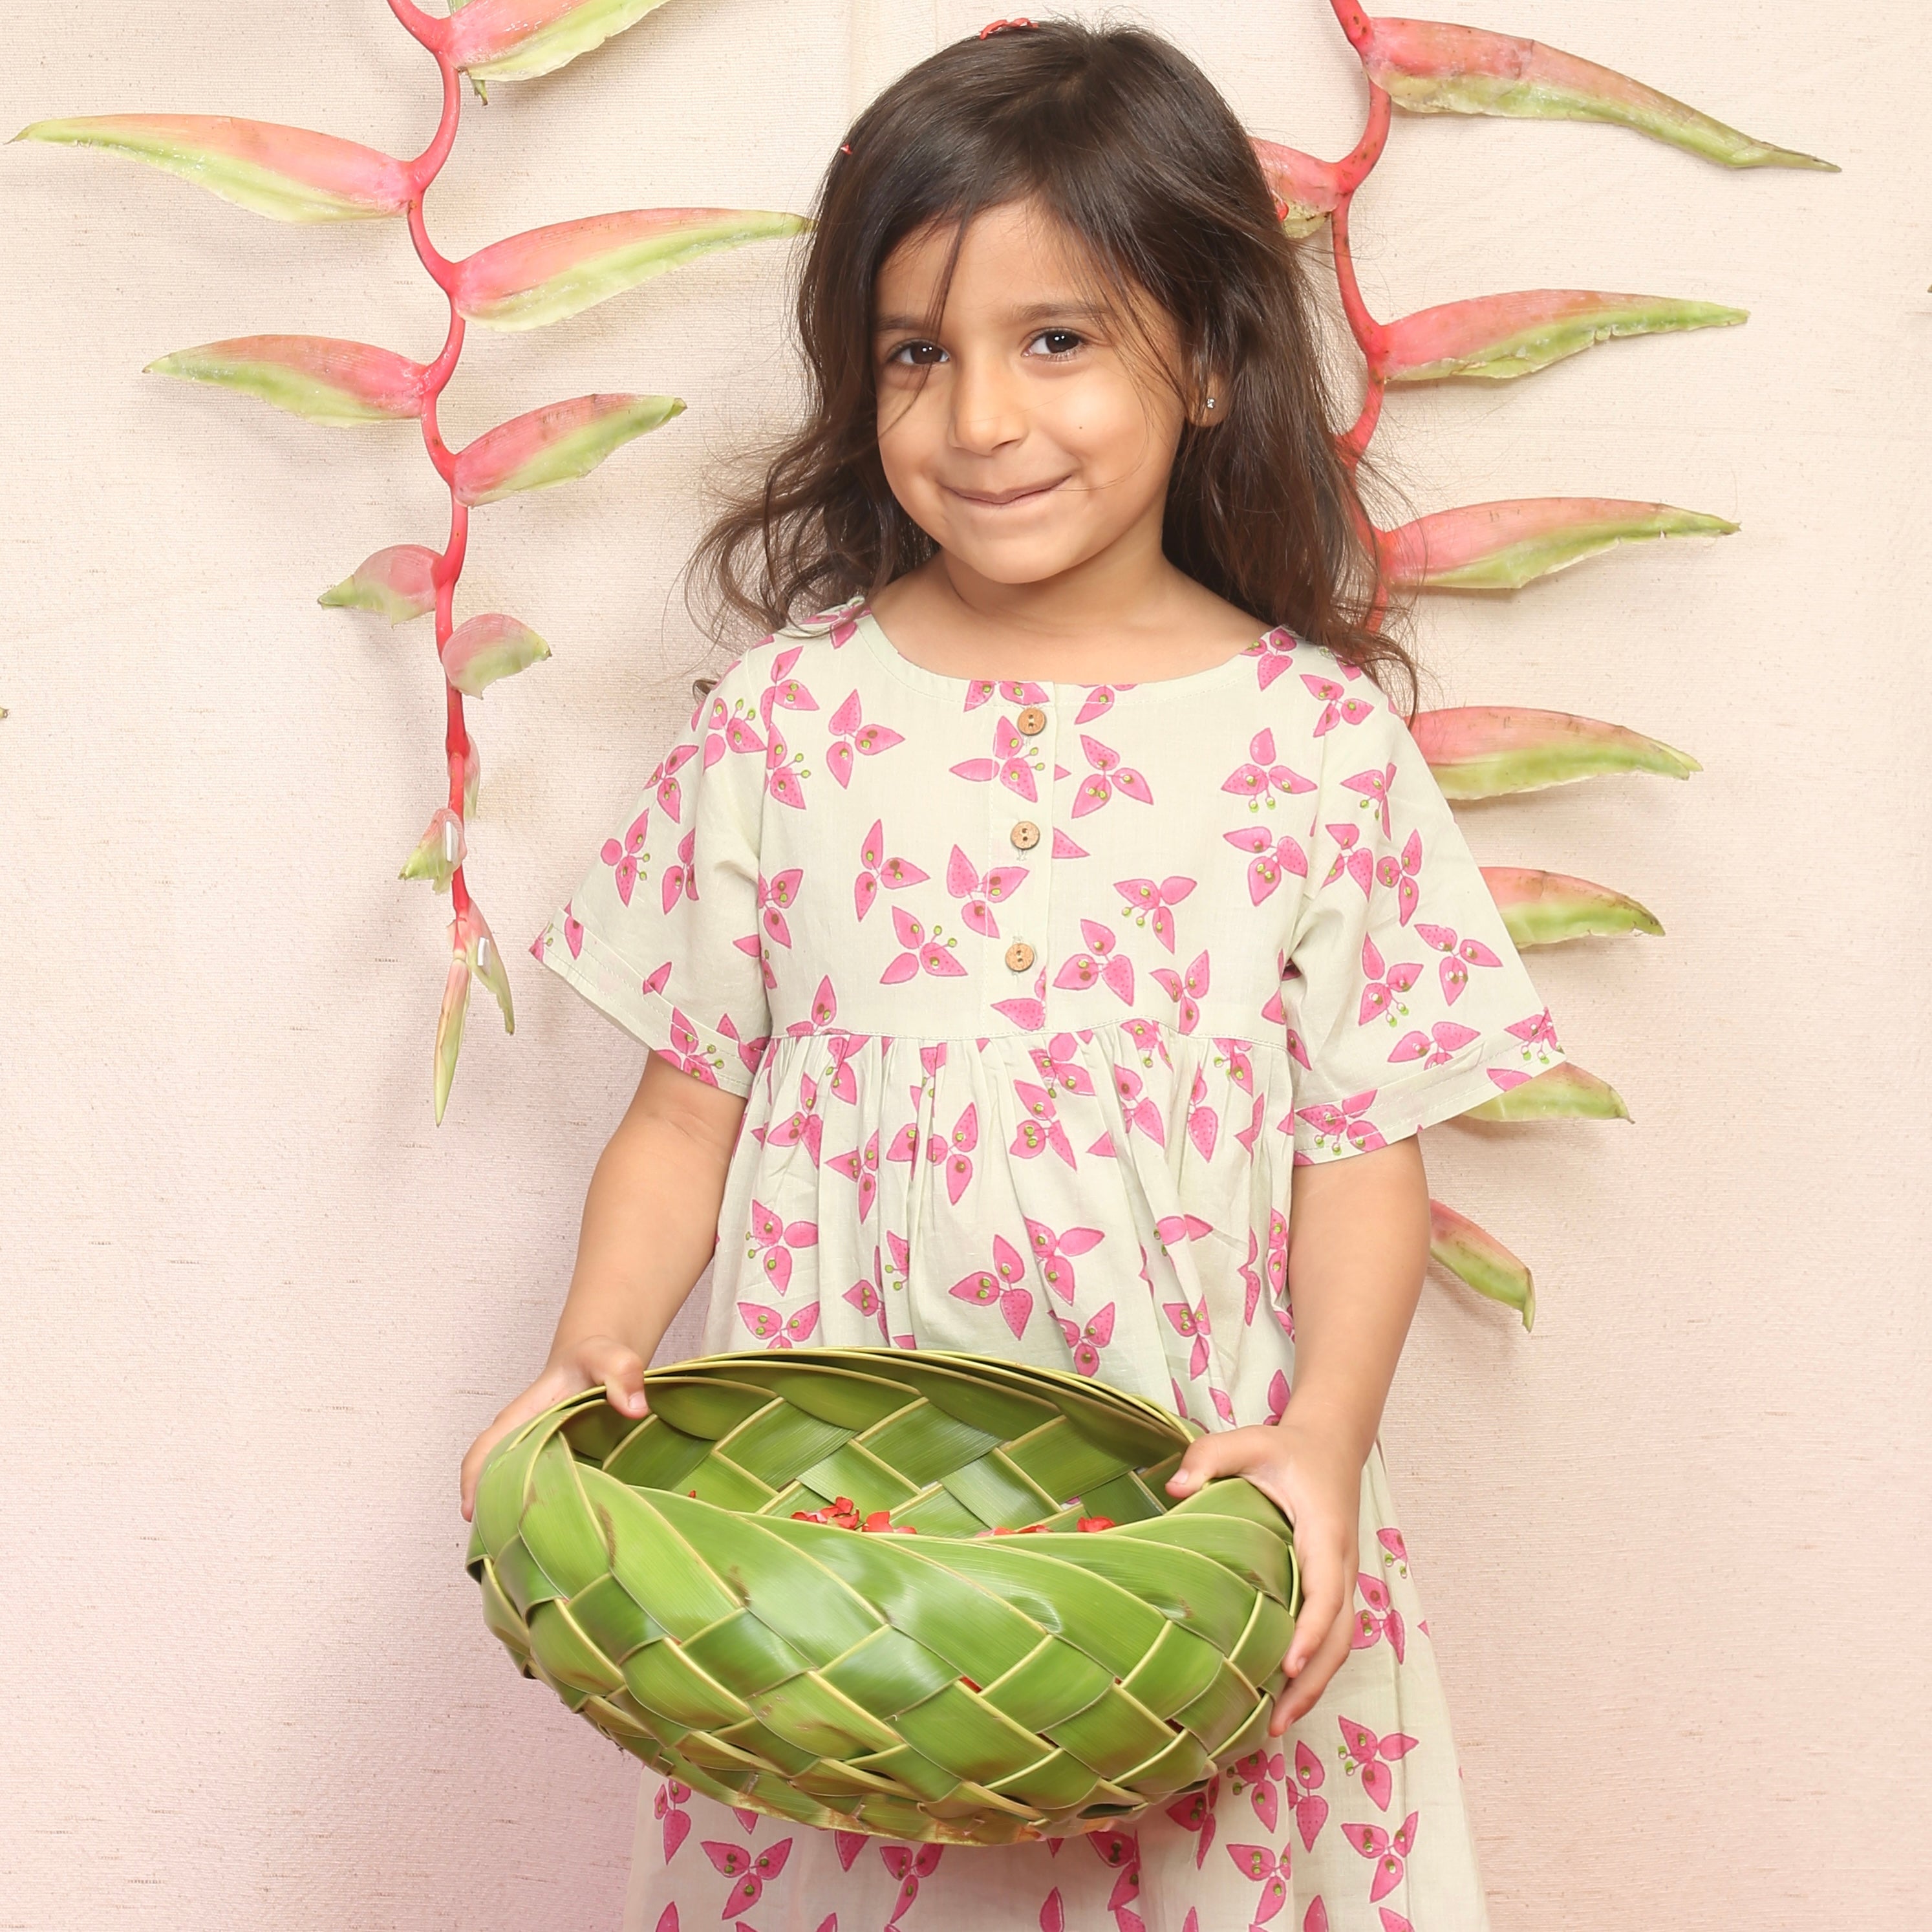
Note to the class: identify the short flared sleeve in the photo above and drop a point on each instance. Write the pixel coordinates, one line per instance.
(1405, 1000)
(662, 932)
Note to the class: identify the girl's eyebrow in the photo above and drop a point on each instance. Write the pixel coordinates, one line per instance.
(1069, 311)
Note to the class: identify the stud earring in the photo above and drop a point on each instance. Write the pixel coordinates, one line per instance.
(1210, 402)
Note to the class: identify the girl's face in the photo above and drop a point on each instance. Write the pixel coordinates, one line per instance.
(1027, 435)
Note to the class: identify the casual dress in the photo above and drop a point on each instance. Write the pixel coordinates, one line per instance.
(1037, 993)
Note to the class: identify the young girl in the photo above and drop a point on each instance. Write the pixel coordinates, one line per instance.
(1052, 948)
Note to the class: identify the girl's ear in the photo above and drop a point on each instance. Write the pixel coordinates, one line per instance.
(1208, 405)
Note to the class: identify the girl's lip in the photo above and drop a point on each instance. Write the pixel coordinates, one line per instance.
(1001, 501)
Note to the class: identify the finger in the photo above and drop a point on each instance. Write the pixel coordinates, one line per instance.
(1324, 1597)
(620, 1370)
(1222, 1452)
(1305, 1692)
(548, 1387)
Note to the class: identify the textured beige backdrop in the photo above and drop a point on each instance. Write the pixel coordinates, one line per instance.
(1673, 1546)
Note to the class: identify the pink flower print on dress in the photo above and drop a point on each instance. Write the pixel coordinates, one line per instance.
(1098, 702)
(1337, 706)
(1108, 775)
(1099, 965)
(1377, 1619)
(1196, 1813)
(1012, 762)
(1389, 1853)
(1402, 873)
(1142, 1115)
(777, 1329)
(1148, 1037)
(750, 1052)
(1204, 1120)
(670, 794)
(1185, 989)
(1393, 1921)
(849, 1845)
(1317, 1917)
(573, 937)
(999, 1287)
(852, 736)
(864, 1296)
(954, 1151)
(1344, 1121)
(804, 1125)
(1462, 955)
(785, 770)
(1190, 1324)
(1437, 1046)
(861, 1164)
(784, 690)
(840, 1081)
(1263, 775)
(1372, 1756)
(925, 953)
(1374, 787)
(1042, 1128)
(1271, 859)
(1311, 1809)
(1395, 1552)
(843, 622)
(1537, 1032)
(876, 869)
(1274, 654)
(728, 729)
(771, 1240)
(1382, 995)
(1088, 1338)
(1053, 1910)
(908, 1867)
(667, 1806)
(1053, 1254)
(1260, 1773)
(1278, 1392)
(1014, 690)
(753, 1873)
(1058, 1067)
(1351, 856)
(1270, 1873)
(629, 855)
(680, 881)
(689, 1053)
(979, 896)
(1153, 905)
(774, 896)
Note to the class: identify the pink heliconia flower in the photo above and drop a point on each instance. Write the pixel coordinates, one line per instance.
(681, 880)
(1098, 702)
(852, 736)
(1486, 751)
(1264, 774)
(908, 1867)
(1462, 955)
(864, 1296)
(999, 1286)
(1377, 1618)
(1273, 858)
(1351, 856)
(922, 955)
(1014, 690)
(773, 1239)
(1142, 1115)
(1196, 1813)
(1402, 873)
(554, 442)
(1191, 1325)
(752, 1872)
(1439, 1045)
(1372, 1756)
(1054, 1253)
(1374, 787)
(776, 1330)
(1311, 1810)
(1108, 775)
(1274, 654)
(626, 857)
(1011, 764)
(1345, 1120)
(861, 1164)
(1088, 1338)
(1185, 990)
(1204, 1121)
(1270, 1872)
(1382, 995)
(729, 730)
(1337, 706)
(775, 896)
(1058, 1065)
(1099, 965)
(672, 1796)
(1390, 1853)
(979, 895)
(1042, 1128)
(1153, 904)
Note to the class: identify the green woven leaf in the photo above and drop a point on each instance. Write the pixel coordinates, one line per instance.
(953, 1684)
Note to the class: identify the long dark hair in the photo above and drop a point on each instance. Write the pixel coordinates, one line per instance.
(1117, 134)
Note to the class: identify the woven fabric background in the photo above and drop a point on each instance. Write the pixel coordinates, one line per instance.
(1673, 1546)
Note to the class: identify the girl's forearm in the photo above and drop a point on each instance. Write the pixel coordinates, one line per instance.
(1358, 1242)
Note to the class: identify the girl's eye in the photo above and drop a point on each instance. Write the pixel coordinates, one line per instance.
(1060, 342)
(916, 355)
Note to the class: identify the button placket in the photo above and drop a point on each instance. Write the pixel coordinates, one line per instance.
(1032, 833)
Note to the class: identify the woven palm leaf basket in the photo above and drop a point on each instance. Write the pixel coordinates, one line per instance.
(796, 1585)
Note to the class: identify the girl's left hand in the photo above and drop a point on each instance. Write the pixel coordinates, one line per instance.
(1318, 1486)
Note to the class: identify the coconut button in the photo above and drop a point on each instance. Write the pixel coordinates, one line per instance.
(1019, 956)
(1025, 834)
(1032, 720)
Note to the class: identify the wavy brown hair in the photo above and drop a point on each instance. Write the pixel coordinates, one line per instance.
(1122, 139)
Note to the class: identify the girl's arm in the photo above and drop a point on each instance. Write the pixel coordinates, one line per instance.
(650, 1223)
(1358, 1242)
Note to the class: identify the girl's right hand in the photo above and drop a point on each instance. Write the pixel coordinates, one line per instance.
(582, 1365)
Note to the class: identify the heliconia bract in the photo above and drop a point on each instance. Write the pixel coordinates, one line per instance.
(520, 39)
(1566, 1092)
(1503, 546)
(1483, 750)
(1545, 908)
(485, 960)
(488, 647)
(1308, 188)
(1494, 338)
(546, 274)
(449, 1024)
(1429, 67)
(555, 443)
(1476, 1257)
(291, 174)
(472, 773)
(439, 851)
(394, 582)
(322, 378)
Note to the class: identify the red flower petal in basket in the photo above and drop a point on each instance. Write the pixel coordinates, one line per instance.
(555, 443)
(544, 274)
(523, 38)
(1545, 908)
(1503, 546)
(291, 174)
(394, 582)
(1431, 67)
(1482, 750)
(1475, 1256)
(1495, 338)
(1309, 188)
(321, 377)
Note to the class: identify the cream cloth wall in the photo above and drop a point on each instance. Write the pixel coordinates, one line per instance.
(1674, 1546)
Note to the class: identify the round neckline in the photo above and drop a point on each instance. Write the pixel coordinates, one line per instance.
(943, 684)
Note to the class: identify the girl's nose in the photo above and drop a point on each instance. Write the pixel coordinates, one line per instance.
(988, 411)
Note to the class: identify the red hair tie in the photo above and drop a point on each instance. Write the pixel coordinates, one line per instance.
(987, 32)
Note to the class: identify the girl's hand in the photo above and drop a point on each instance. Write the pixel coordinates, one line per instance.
(586, 1363)
(1318, 1486)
